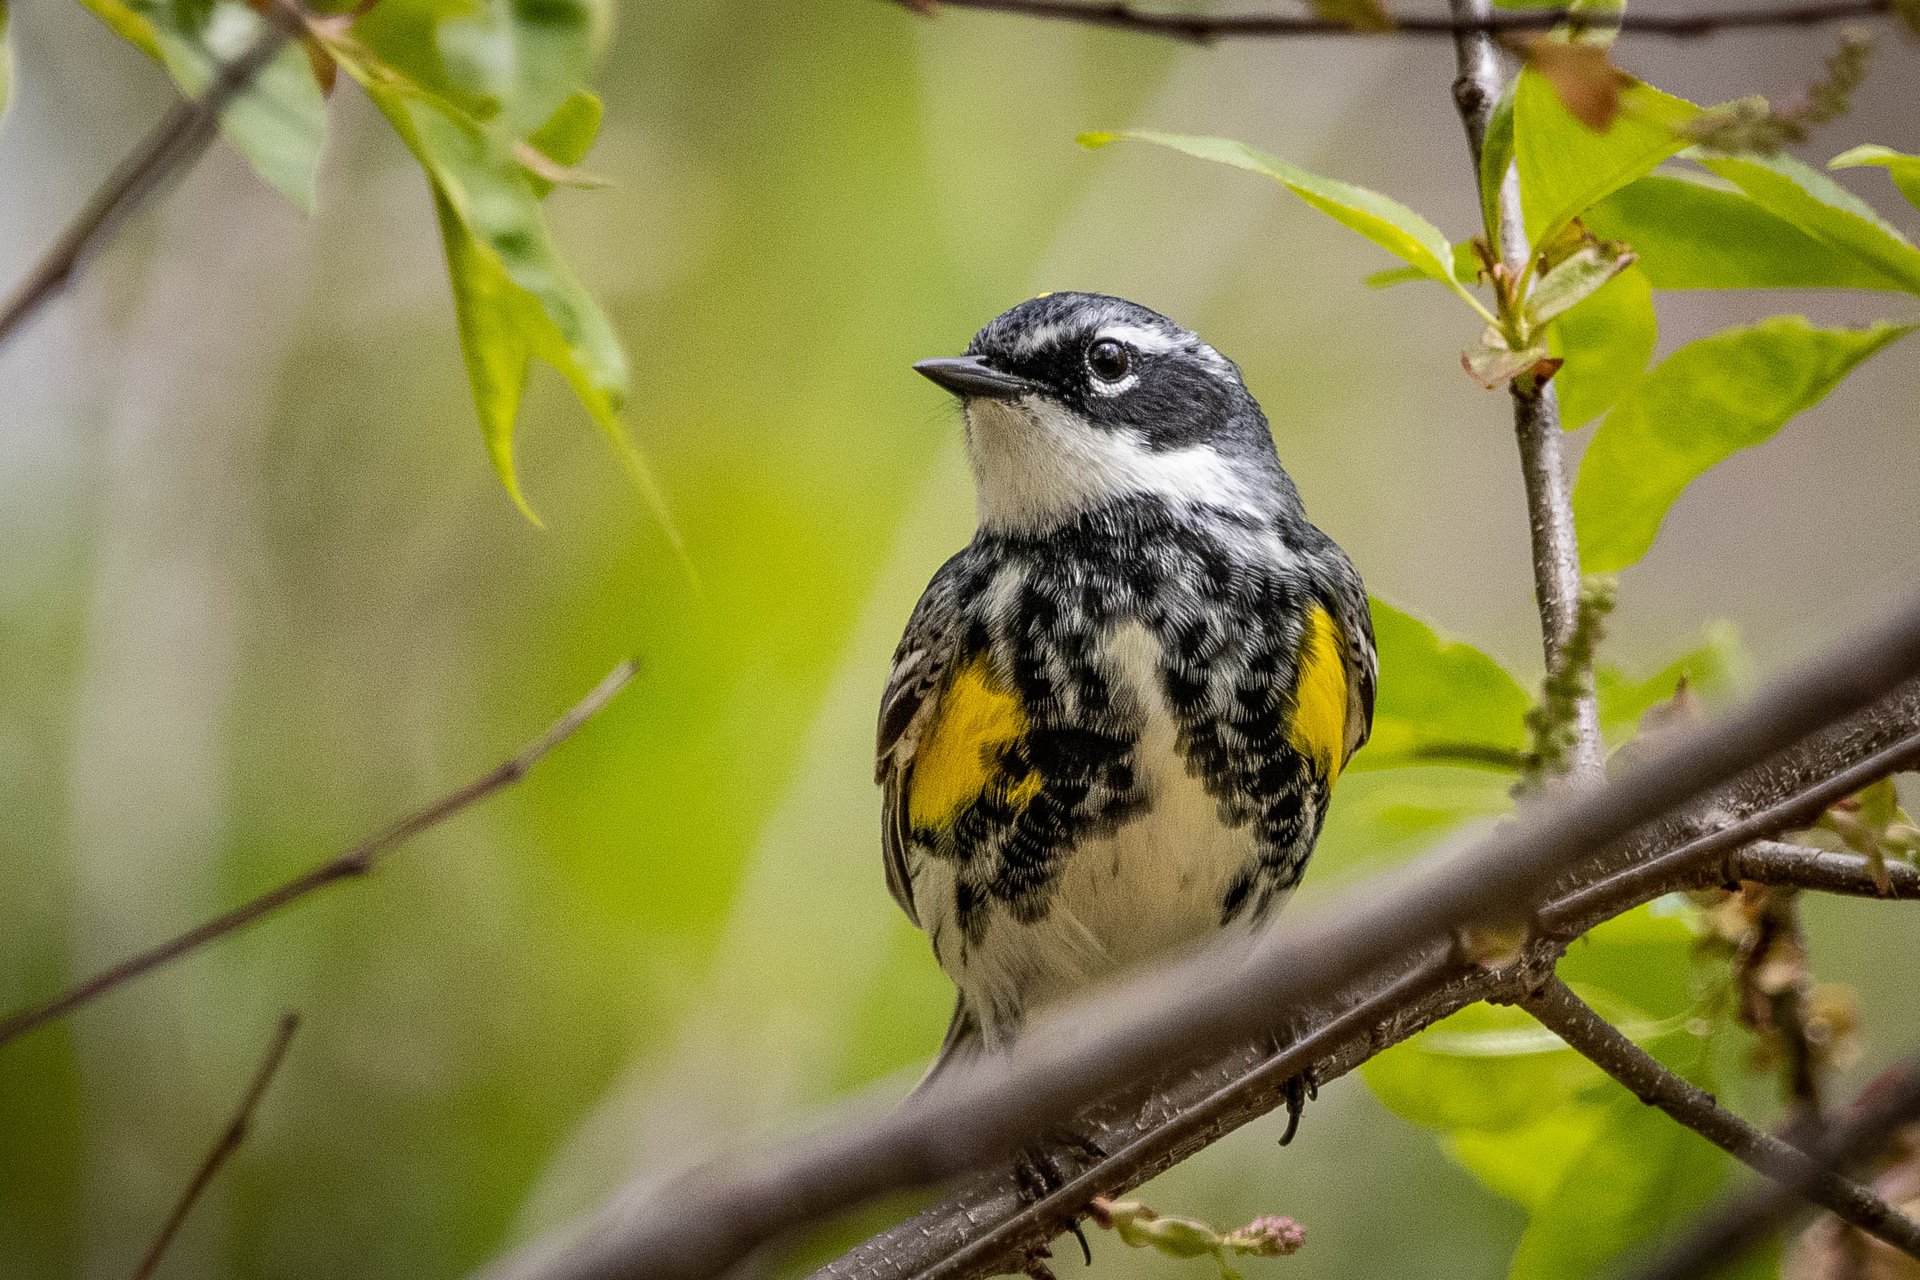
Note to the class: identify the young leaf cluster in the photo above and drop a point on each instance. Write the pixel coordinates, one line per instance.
(1604, 231)
(490, 98)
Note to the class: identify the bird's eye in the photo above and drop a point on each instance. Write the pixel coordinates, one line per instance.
(1109, 360)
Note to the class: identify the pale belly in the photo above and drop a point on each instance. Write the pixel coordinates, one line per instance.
(1154, 886)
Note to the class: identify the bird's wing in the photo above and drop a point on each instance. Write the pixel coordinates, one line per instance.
(921, 666)
(1362, 661)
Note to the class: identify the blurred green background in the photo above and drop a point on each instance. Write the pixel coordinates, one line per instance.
(260, 593)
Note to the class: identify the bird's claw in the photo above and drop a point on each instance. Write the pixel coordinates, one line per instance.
(1298, 1091)
(1041, 1170)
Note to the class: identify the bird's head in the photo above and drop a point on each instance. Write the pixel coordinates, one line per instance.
(1077, 399)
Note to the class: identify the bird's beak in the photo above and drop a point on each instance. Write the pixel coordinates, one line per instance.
(972, 376)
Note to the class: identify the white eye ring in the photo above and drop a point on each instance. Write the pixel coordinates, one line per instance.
(1109, 359)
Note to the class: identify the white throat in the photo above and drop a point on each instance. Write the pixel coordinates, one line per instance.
(1036, 464)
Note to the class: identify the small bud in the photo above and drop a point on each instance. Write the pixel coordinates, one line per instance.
(1268, 1237)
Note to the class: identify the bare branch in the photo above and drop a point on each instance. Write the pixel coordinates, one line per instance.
(1118, 1041)
(1206, 28)
(355, 862)
(223, 1147)
(1562, 1012)
(1776, 862)
(173, 144)
(1889, 1103)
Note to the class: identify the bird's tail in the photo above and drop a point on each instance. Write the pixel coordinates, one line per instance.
(962, 1042)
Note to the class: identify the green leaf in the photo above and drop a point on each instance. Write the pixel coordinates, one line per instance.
(1705, 402)
(523, 58)
(1824, 210)
(279, 123)
(570, 131)
(1493, 362)
(565, 139)
(509, 63)
(1645, 961)
(1438, 693)
(1902, 168)
(516, 298)
(1466, 270)
(1386, 222)
(1488, 1067)
(1527, 1163)
(1576, 278)
(1712, 669)
(1566, 167)
(1692, 235)
(1606, 342)
(1496, 161)
(1639, 1174)
(1383, 814)
(1600, 21)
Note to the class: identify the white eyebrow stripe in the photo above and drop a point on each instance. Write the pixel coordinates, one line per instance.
(1151, 341)
(1041, 337)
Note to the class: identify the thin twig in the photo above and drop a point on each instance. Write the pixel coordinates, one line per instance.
(173, 144)
(1562, 1012)
(355, 862)
(224, 1146)
(1536, 412)
(1722, 1239)
(1206, 28)
(1778, 862)
(1731, 838)
(1112, 1042)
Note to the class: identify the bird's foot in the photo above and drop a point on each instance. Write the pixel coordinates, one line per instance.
(1298, 1091)
(1063, 1155)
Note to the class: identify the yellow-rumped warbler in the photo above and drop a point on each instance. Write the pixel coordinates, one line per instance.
(1115, 718)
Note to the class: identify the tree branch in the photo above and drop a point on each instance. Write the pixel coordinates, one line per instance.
(975, 1232)
(1206, 28)
(1536, 409)
(1776, 862)
(1888, 1104)
(1124, 1039)
(1558, 1009)
(174, 144)
(355, 862)
(224, 1146)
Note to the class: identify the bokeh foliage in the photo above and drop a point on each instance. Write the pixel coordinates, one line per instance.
(676, 934)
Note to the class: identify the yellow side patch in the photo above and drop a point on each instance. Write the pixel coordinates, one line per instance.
(977, 719)
(1320, 696)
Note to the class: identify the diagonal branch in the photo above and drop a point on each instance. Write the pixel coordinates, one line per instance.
(355, 862)
(223, 1147)
(1562, 1012)
(1201, 1009)
(173, 144)
(1721, 1239)
(974, 1233)
(1200, 28)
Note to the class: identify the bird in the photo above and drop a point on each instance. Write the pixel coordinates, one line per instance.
(1113, 724)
